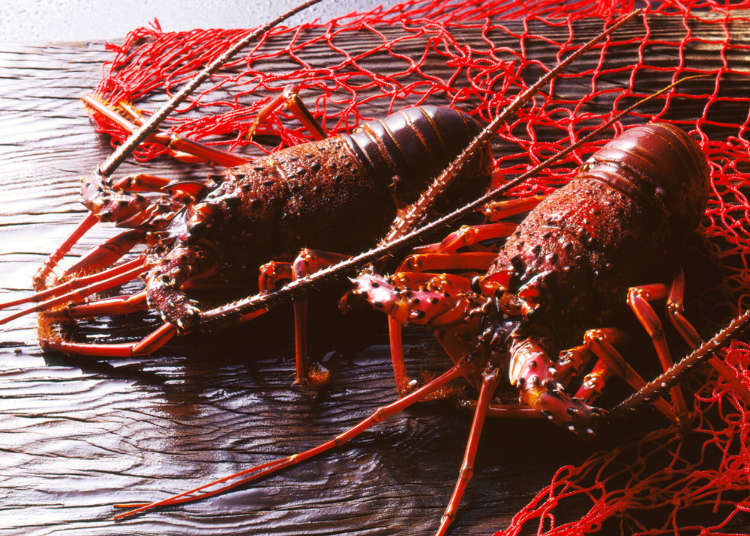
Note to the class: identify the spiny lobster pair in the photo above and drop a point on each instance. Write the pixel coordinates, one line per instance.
(499, 311)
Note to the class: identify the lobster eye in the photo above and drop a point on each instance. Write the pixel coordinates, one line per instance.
(587, 165)
(475, 284)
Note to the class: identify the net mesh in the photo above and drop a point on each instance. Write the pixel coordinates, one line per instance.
(477, 55)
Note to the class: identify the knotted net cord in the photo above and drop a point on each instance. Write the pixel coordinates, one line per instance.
(476, 55)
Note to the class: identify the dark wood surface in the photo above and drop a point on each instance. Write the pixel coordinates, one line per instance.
(78, 434)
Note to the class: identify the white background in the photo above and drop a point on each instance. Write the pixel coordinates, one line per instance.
(45, 21)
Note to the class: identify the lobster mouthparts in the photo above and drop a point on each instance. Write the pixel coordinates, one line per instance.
(431, 303)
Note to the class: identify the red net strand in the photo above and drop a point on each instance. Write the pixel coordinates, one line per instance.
(477, 55)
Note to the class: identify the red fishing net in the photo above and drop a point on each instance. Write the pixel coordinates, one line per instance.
(477, 55)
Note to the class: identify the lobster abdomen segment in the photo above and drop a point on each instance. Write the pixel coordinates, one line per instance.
(656, 163)
(413, 145)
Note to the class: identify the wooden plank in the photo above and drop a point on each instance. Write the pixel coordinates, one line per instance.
(79, 434)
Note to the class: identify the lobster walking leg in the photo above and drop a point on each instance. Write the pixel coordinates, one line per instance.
(638, 300)
(505, 208)
(289, 99)
(263, 470)
(675, 309)
(149, 344)
(107, 253)
(40, 278)
(141, 182)
(470, 261)
(404, 384)
(308, 261)
(80, 293)
(144, 182)
(412, 306)
(118, 305)
(75, 283)
(601, 343)
(179, 148)
(490, 381)
(271, 274)
(421, 298)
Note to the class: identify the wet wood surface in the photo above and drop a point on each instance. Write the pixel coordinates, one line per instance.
(79, 434)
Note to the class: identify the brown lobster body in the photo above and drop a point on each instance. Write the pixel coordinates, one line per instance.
(617, 224)
(337, 194)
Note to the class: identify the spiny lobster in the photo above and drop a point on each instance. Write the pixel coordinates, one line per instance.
(326, 196)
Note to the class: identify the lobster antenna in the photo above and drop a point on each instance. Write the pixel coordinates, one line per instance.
(671, 376)
(124, 150)
(233, 310)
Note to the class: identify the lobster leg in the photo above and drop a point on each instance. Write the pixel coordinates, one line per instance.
(638, 298)
(601, 343)
(307, 262)
(471, 261)
(254, 473)
(118, 305)
(395, 338)
(179, 148)
(75, 283)
(497, 210)
(78, 289)
(106, 254)
(144, 182)
(494, 211)
(290, 100)
(149, 344)
(270, 275)
(450, 283)
(505, 411)
(571, 362)
(434, 302)
(675, 309)
(141, 182)
(468, 236)
(40, 278)
(490, 381)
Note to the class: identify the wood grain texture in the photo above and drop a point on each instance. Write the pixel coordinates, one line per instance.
(78, 434)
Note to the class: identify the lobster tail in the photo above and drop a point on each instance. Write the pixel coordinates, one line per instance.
(656, 163)
(413, 145)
